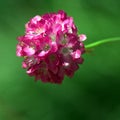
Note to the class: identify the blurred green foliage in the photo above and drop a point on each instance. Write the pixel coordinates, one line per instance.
(94, 91)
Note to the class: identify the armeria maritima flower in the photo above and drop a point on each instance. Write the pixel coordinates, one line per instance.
(51, 47)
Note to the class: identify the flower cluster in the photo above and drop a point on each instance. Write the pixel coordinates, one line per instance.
(51, 47)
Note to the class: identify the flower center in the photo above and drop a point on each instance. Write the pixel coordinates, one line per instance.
(65, 51)
(53, 37)
(52, 58)
(46, 47)
(64, 40)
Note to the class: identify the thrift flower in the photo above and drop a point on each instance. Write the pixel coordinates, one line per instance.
(51, 47)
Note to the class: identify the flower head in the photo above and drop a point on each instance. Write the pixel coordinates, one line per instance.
(51, 47)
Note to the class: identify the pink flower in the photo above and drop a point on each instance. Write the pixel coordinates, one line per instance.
(51, 47)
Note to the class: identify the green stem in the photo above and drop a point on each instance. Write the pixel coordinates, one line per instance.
(100, 42)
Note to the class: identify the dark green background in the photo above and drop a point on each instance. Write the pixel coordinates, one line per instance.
(94, 91)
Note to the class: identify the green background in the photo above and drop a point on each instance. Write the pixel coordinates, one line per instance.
(94, 91)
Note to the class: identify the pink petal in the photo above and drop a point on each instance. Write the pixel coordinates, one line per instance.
(42, 53)
(29, 51)
(76, 54)
(19, 51)
(82, 37)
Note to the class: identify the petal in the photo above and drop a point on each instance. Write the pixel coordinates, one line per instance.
(29, 51)
(82, 37)
(42, 53)
(24, 65)
(76, 54)
(54, 47)
(19, 51)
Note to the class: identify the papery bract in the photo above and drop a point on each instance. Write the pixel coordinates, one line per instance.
(51, 47)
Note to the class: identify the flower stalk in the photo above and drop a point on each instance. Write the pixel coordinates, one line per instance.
(101, 42)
